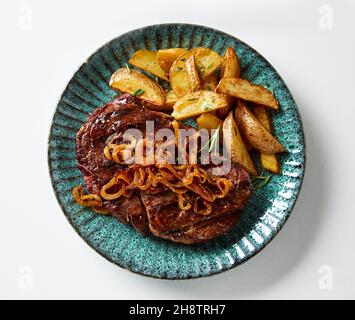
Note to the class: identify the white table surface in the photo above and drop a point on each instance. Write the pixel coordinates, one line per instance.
(43, 42)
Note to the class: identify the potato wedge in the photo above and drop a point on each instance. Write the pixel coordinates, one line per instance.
(131, 80)
(170, 99)
(196, 103)
(207, 61)
(192, 74)
(209, 83)
(246, 90)
(234, 143)
(230, 66)
(147, 60)
(208, 121)
(166, 57)
(230, 69)
(179, 79)
(253, 131)
(268, 161)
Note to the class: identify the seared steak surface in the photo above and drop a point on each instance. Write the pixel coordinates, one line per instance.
(151, 211)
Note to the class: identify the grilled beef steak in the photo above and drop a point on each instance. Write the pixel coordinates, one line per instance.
(152, 211)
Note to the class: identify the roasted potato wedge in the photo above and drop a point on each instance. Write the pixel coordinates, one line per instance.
(230, 66)
(246, 90)
(147, 60)
(230, 69)
(179, 79)
(170, 99)
(235, 145)
(209, 83)
(253, 131)
(207, 61)
(209, 121)
(268, 161)
(196, 103)
(192, 74)
(131, 80)
(166, 57)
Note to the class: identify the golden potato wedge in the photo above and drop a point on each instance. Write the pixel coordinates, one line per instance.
(253, 131)
(131, 80)
(209, 83)
(230, 66)
(208, 121)
(147, 60)
(192, 74)
(207, 61)
(166, 57)
(179, 79)
(234, 143)
(170, 99)
(196, 103)
(268, 161)
(230, 69)
(246, 90)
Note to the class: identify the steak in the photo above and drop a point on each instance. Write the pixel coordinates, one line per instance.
(152, 211)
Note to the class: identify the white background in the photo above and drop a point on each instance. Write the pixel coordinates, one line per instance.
(317, 65)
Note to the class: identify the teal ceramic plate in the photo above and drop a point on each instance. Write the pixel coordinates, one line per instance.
(265, 213)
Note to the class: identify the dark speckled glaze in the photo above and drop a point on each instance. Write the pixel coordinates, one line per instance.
(265, 213)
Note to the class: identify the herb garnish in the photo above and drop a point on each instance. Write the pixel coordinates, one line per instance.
(179, 68)
(192, 99)
(208, 106)
(259, 182)
(128, 68)
(137, 92)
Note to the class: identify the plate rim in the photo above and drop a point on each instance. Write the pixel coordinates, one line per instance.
(189, 277)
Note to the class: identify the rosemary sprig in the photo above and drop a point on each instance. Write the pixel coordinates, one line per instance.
(207, 106)
(128, 68)
(137, 92)
(259, 182)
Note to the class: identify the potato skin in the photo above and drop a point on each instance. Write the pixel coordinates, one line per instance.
(230, 69)
(192, 74)
(230, 65)
(147, 60)
(256, 134)
(268, 161)
(166, 57)
(235, 145)
(131, 80)
(246, 90)
(179, 80)
(209, 83)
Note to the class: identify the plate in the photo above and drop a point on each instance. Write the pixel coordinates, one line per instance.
(265, 213)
